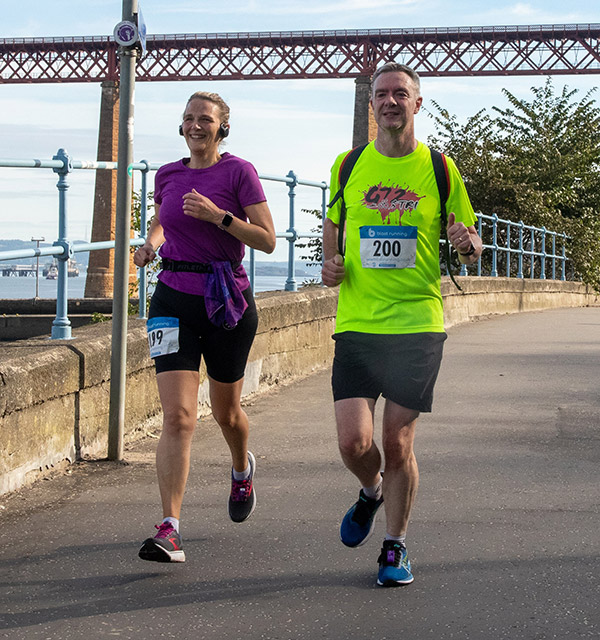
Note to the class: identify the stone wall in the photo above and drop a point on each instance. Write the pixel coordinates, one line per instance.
(54, 395)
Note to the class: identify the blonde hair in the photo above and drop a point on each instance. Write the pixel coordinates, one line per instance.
(215, 98)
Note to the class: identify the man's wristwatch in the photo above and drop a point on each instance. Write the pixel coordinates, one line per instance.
(470, 252)
(227, 220)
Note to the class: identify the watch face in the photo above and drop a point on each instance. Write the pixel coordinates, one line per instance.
(227, 219)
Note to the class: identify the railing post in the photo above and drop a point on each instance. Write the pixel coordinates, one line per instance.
(323, 218)
(142, 272)
(564, 257)
(290, 284)
(252, 268)
(532, 269)
(508, 227)
(543, 258)
(61, 326)
(480, 230)
(520, 261)
(494, 273)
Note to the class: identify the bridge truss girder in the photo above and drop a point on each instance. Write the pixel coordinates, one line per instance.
(461, 51)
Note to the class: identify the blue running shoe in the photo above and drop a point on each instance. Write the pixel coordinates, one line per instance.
(394, 565)
(359, 521)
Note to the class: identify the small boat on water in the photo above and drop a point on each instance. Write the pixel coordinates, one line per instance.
(51, 270)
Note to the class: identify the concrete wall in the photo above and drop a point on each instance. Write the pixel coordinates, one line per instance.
(54, 395)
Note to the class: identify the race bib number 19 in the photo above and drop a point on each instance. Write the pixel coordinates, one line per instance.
(385, 247)
(163, 336)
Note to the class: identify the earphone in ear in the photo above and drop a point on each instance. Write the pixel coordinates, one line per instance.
(224, 130)
(180, 129)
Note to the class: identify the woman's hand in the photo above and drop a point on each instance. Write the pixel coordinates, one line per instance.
(202, 208)
(144, 255)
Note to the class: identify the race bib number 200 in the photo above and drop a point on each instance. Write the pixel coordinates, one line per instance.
(163, 336)
(385, 247)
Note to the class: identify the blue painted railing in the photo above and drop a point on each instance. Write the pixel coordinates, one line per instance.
(531, 242)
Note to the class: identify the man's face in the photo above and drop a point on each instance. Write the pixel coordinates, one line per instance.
(395, 100)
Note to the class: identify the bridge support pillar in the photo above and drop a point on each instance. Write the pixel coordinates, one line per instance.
(100, 275)
(365, 127)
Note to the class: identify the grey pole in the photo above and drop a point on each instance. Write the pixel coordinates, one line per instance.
(116, 416)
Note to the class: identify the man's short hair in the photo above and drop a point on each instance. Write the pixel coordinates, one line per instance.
(390, 67)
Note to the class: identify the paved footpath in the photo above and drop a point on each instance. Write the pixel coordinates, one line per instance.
(504, 540)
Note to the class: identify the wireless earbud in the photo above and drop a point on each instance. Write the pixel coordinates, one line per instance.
(224, 130)
(180, 129)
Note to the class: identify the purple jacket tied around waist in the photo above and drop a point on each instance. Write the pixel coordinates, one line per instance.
(225, 304)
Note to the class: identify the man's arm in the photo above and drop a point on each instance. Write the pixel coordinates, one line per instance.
(465, 240)
(333, 270)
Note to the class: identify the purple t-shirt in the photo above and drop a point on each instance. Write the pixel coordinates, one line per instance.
(232, 184)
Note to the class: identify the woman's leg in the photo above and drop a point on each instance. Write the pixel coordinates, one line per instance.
(179, 398)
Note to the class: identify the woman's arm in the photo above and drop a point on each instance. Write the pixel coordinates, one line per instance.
(258, 232)
(147, 252)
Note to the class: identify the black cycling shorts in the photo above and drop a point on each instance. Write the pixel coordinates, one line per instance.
(225, 351)
(402, 368)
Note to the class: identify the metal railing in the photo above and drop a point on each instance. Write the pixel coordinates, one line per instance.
(531, 250)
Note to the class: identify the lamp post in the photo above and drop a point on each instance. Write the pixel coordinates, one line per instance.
(37, 266)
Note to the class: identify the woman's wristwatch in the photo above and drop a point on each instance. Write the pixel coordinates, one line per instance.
(227, 220)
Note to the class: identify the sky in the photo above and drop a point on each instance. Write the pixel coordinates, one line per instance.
(280, 125)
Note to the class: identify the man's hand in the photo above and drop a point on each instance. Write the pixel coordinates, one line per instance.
(144, 255)
(333, 271)
(458, 234)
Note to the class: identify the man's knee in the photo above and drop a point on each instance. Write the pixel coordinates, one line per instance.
(354, 445)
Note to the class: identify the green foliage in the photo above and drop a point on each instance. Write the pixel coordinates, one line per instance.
(537, 161)
(314, 245)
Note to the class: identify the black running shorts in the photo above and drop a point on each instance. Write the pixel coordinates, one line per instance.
(225, 351)
(402, 368)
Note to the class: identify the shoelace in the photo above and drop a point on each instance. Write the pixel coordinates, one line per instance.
(391, 555)
(164, 530)
(241, 489)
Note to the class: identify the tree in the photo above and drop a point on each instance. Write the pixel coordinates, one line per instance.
(536, 161)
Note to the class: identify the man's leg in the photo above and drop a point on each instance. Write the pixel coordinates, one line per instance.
(400, 485)
(227, 410)
(401, 471)
(354, 418)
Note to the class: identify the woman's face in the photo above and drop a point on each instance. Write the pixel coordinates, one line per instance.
(201, 122)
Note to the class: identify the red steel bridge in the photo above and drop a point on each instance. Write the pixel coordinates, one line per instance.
(456, 51)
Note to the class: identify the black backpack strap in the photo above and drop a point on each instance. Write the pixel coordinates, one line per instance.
(440, 169)
(345, 170)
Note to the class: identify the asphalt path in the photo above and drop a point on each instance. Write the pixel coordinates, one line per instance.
(504, 538)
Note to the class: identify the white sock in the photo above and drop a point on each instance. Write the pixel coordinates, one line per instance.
(401, 539)
(375, 492)
(174, 522)
(241, 475)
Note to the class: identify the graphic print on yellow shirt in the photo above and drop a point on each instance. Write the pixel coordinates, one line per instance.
(382, 193)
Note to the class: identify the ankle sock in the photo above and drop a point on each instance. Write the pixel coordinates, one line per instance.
(241, 475)
(375, 492)
(174, 522)
(401, 539)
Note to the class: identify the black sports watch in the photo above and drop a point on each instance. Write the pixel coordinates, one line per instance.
(470, 252)
(227, 220)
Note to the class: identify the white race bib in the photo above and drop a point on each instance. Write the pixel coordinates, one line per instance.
(163, 336)
(386, 247)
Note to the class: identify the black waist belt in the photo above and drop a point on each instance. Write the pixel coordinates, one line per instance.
(190, 267)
